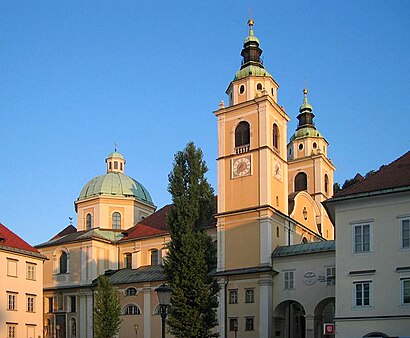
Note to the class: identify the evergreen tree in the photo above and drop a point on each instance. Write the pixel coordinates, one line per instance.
(192, 255)
(107, 310)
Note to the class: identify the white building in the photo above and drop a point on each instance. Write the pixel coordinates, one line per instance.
(372, 221)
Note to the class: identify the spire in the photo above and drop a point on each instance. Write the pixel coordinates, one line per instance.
(305, 116)
(251, 52)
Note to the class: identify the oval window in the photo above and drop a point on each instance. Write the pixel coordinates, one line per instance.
(241, 89)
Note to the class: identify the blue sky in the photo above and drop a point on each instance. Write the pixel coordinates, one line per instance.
(77, 76)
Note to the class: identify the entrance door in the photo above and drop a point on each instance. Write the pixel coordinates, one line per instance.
(61, 326)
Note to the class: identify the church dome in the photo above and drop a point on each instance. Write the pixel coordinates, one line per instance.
(115, 182)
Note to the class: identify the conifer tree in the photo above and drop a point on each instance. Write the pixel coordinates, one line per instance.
(107, 309)
(192, 255)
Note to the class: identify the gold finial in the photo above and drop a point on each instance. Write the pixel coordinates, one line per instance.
(305, 91)
(250, 22)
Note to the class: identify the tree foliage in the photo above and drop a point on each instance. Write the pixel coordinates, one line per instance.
(107, 309)
(192, 255)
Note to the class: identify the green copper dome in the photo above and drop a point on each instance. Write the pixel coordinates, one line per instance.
(115, 184)
(251, 70)
(306, 132)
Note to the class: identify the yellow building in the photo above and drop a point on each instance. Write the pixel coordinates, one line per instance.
(269, 212)
(21, 290)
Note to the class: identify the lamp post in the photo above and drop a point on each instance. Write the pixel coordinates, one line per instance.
(164, 293)
(235, 328)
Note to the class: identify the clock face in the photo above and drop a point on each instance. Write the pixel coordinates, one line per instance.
(242, 166)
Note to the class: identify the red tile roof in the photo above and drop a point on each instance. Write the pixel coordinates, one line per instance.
(155, 224)
(66, 231)
(9, 239)
(394, 175)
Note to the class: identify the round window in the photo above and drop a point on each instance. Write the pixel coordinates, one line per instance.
(241, 89)
(300, 146)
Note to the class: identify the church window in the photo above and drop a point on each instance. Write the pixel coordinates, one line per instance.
(73, 304)
(300, 146)
(88, 221)
(301, 182)
(275, 133)
(154, 257)
(271, 90)
(131, 291)
(73, 327)
(116, 220)
(63, 262)
(115, 165)
(304, 240)
(241, 89)
(259, 87)
(242, 134)
(314, 145)
(120, 166)
(326, 184)
(277, 232)
(128, 260)
(131, 309)
(109, 165)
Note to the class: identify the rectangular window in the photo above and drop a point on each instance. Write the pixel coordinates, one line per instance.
(249, 296)
(11, 301)
(12, 267)
(154, 257)
(31, 271)
(361, 238)
(128, 261)
(233, 296)
(30, 303)
(362, 294)
(233, 324)
(405, 233)
(11, 330)
(330, 275)
(50, 304)
(289, 279)
(73, 304)
(405, 291)
(249, 323)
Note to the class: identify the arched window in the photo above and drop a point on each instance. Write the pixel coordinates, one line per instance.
(242, 134)
(131, 309)
(154, 257)
(116, 220)
(63, 262)
(73, 327)
(88, 221)
(275, 133)
(304, 240)
(326, 184)
(131, 291)
(301, 182)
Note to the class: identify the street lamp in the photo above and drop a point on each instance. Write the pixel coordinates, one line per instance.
(235, 327)
(164, 293)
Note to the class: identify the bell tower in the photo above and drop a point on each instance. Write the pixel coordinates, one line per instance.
(310, 169)
(252, 164)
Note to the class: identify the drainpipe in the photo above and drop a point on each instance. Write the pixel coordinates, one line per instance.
(226, 307)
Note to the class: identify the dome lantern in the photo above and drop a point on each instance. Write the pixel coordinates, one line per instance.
(115, 162)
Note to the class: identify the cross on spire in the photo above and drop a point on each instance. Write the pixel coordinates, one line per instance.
(115, 146)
